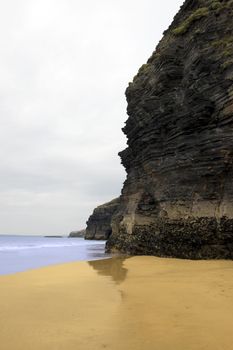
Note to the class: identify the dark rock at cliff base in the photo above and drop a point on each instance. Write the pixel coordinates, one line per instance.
(77, 234)
(177, 200)
(99, 223)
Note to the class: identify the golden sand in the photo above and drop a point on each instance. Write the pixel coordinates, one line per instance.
(138, 303)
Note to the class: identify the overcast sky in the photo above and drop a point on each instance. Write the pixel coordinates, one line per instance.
(65, 65)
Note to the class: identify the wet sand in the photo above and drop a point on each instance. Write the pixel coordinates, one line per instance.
(138, 303)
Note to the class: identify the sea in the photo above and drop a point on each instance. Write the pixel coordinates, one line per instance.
(22, 253)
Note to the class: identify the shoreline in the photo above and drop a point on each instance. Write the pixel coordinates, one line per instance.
(27, 253)
(131, 303)
(113, 257)
(53, 265)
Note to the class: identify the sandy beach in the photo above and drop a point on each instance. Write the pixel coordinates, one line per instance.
(121, 303)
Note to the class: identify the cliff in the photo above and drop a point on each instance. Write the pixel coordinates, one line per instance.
(177, 200)
(77, 234)
(99, 223)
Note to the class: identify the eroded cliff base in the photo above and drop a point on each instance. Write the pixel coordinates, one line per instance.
(199, 238)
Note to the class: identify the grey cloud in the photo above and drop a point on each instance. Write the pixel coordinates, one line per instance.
(64, 68)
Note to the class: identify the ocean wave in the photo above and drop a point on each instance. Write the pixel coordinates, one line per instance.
(5, 248)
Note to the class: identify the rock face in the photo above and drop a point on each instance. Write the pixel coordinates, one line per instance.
(99, 223)
(77, 234)
(177, 200)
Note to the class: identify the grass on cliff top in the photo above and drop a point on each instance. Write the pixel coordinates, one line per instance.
(184, 26)
(207, 6)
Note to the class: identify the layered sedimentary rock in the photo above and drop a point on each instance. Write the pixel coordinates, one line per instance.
(99, 223)
(178, 196)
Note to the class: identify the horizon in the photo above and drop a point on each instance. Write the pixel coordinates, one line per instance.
(63, 105)
(36, 235)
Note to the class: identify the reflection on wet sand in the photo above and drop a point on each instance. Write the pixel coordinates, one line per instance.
(137, 303)
(111, 267)
(97, 252)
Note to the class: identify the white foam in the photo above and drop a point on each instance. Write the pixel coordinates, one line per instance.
(48, 245)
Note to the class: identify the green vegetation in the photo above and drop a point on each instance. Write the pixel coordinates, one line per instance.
(224, 48)
(144, 68)
(207, 7)
(227, 64)
(198, 31)
(219, 5)
(215, 5)
(184, 27)
(223, 43)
